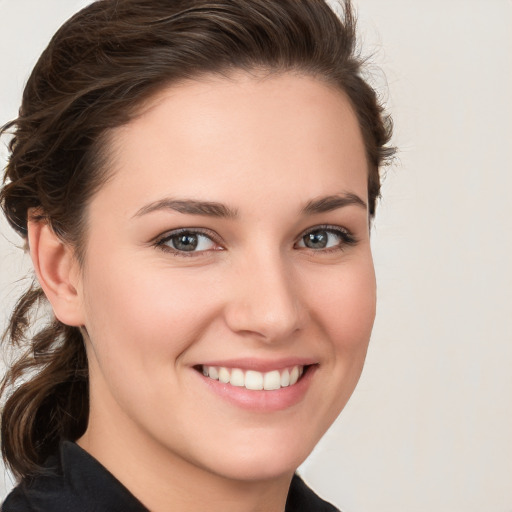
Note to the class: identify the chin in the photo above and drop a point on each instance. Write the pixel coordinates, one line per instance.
(259, 469)
(255, 461)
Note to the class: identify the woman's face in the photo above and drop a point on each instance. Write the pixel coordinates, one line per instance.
(229, 250)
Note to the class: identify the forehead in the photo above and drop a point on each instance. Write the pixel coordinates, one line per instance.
(279, 130)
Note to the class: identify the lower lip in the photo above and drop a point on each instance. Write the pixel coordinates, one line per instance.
(262, 401)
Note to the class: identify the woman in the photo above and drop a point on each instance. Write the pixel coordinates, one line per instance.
(195, 181)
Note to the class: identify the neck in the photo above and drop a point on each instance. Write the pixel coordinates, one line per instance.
(163, 480)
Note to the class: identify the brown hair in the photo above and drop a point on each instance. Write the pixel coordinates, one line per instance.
(99, 67)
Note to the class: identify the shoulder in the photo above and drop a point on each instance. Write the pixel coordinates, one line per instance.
(71, 480)
(302, 499)
(27, 496)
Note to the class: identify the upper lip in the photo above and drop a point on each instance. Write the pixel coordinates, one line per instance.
(261, 365)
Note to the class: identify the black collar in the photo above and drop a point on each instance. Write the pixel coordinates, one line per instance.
(74, 480)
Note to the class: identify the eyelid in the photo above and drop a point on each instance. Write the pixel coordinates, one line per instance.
(347, 239)
(160, 241)
(346, 235)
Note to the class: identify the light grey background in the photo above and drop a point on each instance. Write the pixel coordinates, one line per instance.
(429, 427)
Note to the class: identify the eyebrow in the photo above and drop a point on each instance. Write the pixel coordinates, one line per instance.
(191, 207)
(214, 209)
(329, 203)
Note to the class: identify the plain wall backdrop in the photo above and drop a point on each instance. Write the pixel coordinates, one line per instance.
(430, 425)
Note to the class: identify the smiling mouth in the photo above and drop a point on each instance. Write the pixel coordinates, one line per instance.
(254, 380)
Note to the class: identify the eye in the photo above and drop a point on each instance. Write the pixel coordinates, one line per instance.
(187, 242)
(326, 238)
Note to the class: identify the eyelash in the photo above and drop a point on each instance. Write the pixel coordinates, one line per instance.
(161, 242)
(345, 236)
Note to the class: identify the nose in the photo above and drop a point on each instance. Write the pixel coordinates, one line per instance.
(265, 301)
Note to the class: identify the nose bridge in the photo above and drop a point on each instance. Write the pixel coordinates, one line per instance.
(265, 299)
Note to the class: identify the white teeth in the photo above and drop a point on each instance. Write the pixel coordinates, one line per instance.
(224, 375)
(272, 380)
(237, 378)
(253, 380)
(294, 375)
(213, 372)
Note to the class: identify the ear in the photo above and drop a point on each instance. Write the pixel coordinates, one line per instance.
(57, 271)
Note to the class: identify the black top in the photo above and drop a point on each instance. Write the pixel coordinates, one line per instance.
(75, 481)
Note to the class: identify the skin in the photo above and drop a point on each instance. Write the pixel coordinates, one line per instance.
(265, 147)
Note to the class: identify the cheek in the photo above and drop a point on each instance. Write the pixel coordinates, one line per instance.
(347, 307)
(133, 307)
(343, 304)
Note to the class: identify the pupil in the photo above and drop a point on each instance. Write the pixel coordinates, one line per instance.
(185, 242)
(316, 240)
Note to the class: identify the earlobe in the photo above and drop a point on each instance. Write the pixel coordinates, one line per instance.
(57, 271)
